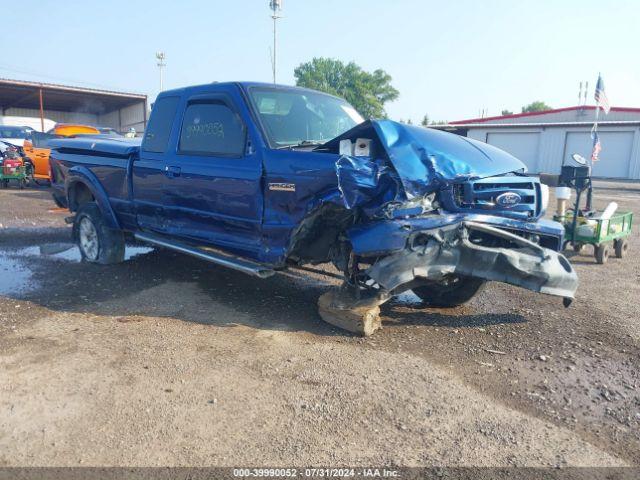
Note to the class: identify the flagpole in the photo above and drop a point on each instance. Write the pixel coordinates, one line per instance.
(594, 139)
(594, 133)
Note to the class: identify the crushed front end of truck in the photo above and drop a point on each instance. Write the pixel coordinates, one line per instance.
(440, 214)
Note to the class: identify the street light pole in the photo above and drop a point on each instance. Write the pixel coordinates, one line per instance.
(160, 56)
(276, 6)
(275, 50)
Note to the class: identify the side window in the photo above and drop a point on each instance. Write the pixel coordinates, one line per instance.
(156, 136)
(212, 128)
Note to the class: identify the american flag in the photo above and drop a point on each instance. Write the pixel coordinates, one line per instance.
(601, 98)
(596, 146)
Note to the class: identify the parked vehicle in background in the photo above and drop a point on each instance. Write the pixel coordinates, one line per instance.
(33, 123)
(260, 178)
(14, 135)
(112, 132)
(70, 129)
(36, 147)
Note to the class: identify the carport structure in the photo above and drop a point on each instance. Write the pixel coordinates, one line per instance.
(41, 105)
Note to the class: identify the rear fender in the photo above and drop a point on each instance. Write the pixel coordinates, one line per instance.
(82, 175)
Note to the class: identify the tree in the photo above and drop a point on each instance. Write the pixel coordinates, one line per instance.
(537, 106)
(425, 120)
(507, 112)
(367, 92)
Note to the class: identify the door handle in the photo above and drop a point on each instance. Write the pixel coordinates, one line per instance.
(172, 172)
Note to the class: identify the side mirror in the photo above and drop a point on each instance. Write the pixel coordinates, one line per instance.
(550, 179)
(579, 159)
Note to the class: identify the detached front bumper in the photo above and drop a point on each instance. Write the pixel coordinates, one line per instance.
(432, 255)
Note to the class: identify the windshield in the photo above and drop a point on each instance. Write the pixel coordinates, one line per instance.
(14, 132)
(292, 117)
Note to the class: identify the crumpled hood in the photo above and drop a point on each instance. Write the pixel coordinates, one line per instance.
(424, 158)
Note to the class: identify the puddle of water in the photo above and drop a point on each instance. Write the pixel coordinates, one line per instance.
(70, 253)
(14, 277)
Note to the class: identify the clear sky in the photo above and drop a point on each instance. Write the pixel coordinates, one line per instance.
(449, 59)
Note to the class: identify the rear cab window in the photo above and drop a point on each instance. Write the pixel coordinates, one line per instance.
(156, 137)
(213, 128)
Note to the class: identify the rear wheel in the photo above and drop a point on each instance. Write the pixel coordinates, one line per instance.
(621, 247)
(456, 291)
(97, 242)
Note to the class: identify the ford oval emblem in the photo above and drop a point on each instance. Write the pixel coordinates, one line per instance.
(508, 199)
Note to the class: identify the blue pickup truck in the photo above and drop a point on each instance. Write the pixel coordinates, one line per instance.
(261, 178)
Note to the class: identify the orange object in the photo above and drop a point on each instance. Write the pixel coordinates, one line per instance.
(40, 159)
(39, 156)
(69, 129)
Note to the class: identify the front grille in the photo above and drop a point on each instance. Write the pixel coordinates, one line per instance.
(482, 196)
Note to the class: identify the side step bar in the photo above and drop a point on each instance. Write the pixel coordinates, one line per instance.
(210, 255)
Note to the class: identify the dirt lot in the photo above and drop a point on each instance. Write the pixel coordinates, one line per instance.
(166, 360)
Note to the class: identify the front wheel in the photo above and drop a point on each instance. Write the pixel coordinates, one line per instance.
(29, 171)
(452, 293)
(97, 242)
(602, 252)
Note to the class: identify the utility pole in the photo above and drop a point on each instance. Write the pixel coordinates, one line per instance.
(276, 6)
(160, 56)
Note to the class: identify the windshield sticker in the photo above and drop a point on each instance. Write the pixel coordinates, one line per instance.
(211, 129)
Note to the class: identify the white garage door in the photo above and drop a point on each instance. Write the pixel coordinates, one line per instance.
(523, 146)
(614, 157)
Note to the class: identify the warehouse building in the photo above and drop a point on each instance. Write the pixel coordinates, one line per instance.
(544, 140)
(42, 105)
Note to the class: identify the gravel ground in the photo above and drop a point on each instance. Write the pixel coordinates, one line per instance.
(166, 360)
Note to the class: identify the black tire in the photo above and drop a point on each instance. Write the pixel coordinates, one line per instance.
(457, 292)
(602, 253)
(5, 183)
(578, 247)
(59, 200)
(621, 247)
(29, 170)
(97, 242)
